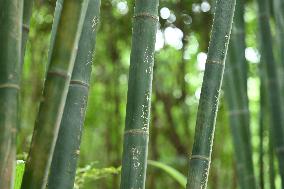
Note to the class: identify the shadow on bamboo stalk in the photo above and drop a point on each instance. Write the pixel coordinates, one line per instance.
(54, 94)
(64, 162)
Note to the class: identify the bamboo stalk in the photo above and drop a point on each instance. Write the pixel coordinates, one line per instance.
(136, 133)
(237, 99)
(10, 54)
(27, 13)
(207, 111)
(274, 97)
(64, 162)
(238, 124)
(54, 94)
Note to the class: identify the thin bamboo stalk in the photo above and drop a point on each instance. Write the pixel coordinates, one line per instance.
(274, 97)
(238, 124)
(136, 133)
(54, 94)
(207, 111)
(10, 55)
(64, 162)
(27, 13)
(237, 98)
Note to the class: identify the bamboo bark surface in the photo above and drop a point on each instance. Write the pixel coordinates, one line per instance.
(200, 159)
(10, 56)
(67, 149)
(54, 94)
(136, 134)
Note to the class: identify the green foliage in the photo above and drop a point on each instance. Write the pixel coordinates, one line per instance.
(20, 168)
(175, 174)
(92, 173)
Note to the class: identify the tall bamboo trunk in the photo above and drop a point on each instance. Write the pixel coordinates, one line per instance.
(274, 97)
(10, 55)
(238, 124)
(139, 95)
(200, 159)
(54, 94)
(237, 98)
(64, 162)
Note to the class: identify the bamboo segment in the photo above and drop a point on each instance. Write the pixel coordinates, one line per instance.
(207, 111)
(274, 97)
(54, 94)
(10, 55)
(27, 13)
(139, 95)
(64, 162)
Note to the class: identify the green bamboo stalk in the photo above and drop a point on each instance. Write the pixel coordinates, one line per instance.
(238, 124)
(207, 111)
(10, 55)
(271, 162)
(278, 6)
(27, 13)
(237, 99)
(274, 97)
(54, 94)
(56, 19)
(64, 162)
(136, 133)
(261, 134)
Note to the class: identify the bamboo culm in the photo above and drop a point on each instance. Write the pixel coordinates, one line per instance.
(54, 94)
(27, 13)
(10, 56)
(273, 86)
(200, 159)
(238, 124)
(237, 98)
(136, 134)
(64, 162)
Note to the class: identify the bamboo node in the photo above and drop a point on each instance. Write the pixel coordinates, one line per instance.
(200, 157)
(81, 83)
(214, 62)
(9, 85)
(147, 15)
(60, 73)
(137, 131)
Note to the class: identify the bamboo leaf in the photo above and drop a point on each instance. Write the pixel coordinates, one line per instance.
(20, 167)
(175, 174)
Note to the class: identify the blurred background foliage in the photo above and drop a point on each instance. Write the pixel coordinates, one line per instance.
(181, 47)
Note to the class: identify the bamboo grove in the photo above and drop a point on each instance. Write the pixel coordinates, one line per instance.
(131, 94)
